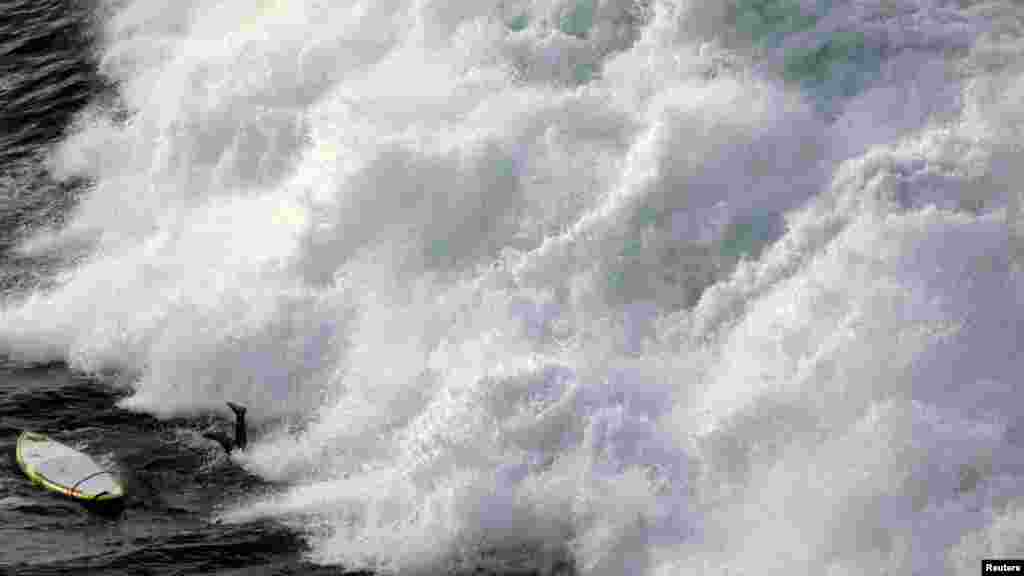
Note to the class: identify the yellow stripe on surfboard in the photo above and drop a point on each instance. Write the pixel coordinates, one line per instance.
(39, 478)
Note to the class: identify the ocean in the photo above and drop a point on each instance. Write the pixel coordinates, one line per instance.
(552, 287)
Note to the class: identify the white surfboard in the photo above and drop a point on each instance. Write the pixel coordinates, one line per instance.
(62, 469)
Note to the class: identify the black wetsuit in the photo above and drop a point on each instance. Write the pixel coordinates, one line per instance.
(240, 440)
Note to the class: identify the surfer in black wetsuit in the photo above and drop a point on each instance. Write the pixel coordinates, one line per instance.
(240, 440)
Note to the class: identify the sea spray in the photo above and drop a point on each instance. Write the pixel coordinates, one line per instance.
(623, 287)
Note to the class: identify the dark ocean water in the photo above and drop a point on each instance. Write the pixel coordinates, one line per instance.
(174, 491)
(175, 488)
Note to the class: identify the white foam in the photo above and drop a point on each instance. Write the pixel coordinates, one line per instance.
(607, 283)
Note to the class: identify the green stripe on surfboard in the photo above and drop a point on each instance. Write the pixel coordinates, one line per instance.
(64, 470)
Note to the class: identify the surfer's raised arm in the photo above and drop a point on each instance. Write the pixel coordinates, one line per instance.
(240, 440)
(240, 437)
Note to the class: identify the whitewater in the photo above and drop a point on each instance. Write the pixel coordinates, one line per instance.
(645, 287)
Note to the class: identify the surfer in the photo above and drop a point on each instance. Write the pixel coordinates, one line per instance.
(240, 440)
